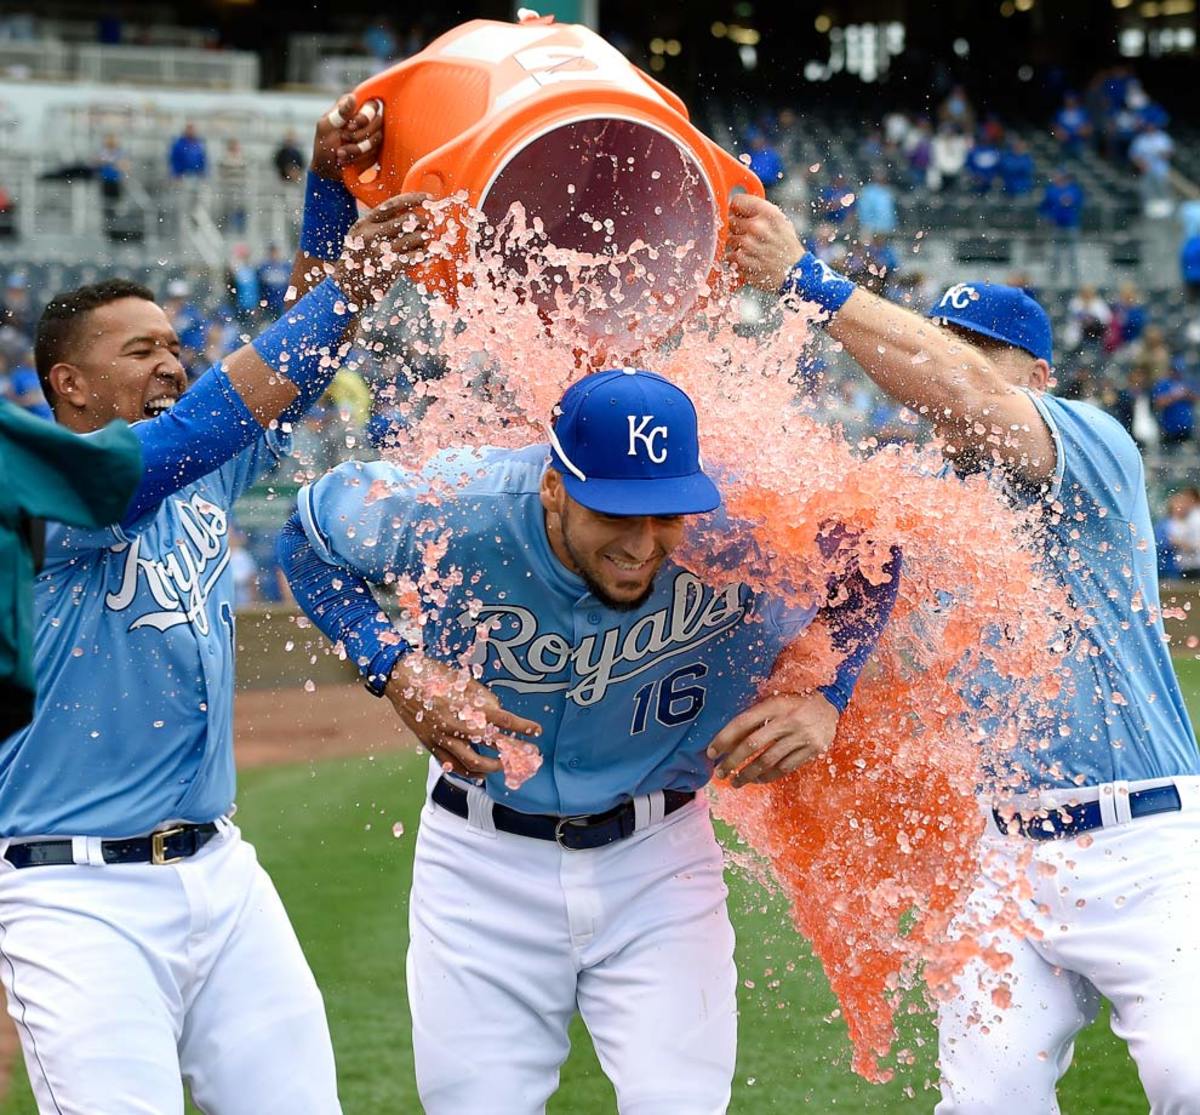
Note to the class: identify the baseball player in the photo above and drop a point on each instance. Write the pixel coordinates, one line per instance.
(141, 942)
(597, 885)
(1099, 819)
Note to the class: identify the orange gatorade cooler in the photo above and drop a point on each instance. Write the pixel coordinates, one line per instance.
(552, 117)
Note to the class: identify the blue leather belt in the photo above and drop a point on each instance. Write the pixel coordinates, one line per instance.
(574, 833)
(168, 845)
(1070, 820)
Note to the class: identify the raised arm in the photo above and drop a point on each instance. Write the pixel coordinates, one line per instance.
(279, 375)
(346, 135)
(358, 526)
(974, 408)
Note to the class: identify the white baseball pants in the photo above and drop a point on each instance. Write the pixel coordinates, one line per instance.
(1119, 913)
(124, 980)
(510, 935)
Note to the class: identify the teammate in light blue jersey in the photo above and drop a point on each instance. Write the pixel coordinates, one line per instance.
(142, 944)
(598, 882)
(1107, 844)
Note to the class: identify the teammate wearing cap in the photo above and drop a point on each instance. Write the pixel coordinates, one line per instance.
(1099, 817)
(597, 884)
(141, 943)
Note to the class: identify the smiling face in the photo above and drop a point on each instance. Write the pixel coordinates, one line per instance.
(617, 556)
(122, 361)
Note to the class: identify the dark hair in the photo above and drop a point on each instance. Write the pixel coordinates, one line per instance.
(58, 327)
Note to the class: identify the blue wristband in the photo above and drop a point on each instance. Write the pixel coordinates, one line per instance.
(813, 280)
(379, 672)
(329, 211)
(302, 345)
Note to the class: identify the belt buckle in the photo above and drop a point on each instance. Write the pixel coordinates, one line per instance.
(158, 845)
(579, 820)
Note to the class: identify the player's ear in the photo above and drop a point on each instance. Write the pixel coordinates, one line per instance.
(1039, 376)
(68, 385)
(553, 494)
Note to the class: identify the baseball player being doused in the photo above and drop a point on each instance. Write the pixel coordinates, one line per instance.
(1094, 827)
(597, 884)
(142, 944)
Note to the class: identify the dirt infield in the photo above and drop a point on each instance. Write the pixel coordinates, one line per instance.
(274, 726)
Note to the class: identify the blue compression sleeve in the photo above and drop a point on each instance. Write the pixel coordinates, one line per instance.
(207, 427)
(856, 624)
(341, 605)
(329, 212)
(211, 424)
(303, 343)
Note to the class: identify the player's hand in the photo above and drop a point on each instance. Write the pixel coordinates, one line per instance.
(762, 241)
(381, 245)
(774, 738)
(346, 135)
(448, 711)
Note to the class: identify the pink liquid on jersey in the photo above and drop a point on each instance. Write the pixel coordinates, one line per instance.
(883, 829)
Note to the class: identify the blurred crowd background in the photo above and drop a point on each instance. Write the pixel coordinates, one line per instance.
(1047, 144)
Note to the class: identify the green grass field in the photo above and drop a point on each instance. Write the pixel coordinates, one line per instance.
(324, 831)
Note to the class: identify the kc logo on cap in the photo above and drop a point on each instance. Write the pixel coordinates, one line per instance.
(638, 433)
(626, 443)
(1004, 313)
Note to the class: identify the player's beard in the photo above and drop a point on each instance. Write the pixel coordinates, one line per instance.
(594, 586)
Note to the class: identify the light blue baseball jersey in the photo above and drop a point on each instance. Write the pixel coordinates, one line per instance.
(134, 661)
(1121, 714)
(628, 700)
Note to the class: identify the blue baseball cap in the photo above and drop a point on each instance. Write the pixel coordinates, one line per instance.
(626, 443)
(1005, 313)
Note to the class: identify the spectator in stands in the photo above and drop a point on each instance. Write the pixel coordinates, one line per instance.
(916, 290)
(870, 263)
(1189, 217)
(1150, 152)
(1087, 321)
(1062, 206)
(1072, 126)
(289, 159)
(13, 343)
(112, 168)
(379, 40)
(23, 388)
(1128, 318)
(957, 111)
(221, 337)
(1189, 265)
(231, 184)
(1130, 405)
(19, 311)
(188, 155)
(1153, 352)
(765, 162)
(896, 129)
(243, 285)
(836, 201)
(918, 152)
(8, 214)
(274, 279)
(1174, 400)
(871, 148)
(948, 156)
(983, 164)
(877, 205)
(1182, 532)
(1017, 168)
(244, 569)
(189, 324)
